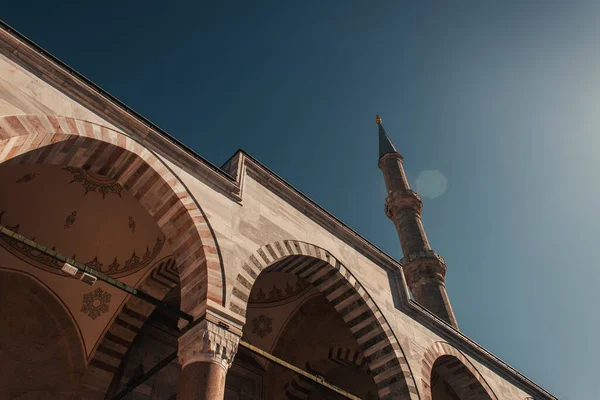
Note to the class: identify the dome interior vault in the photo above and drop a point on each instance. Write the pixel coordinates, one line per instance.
(81, 214)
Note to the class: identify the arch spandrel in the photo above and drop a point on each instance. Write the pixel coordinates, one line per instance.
(383, 354)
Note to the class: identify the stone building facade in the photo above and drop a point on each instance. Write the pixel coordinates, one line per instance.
(241, 251)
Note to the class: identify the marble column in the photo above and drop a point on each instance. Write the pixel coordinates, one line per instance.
(206, 352)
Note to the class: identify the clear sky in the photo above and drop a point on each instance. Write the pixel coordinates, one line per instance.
(494, 105)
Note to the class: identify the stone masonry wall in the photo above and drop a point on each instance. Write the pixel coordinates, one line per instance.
(264, 218)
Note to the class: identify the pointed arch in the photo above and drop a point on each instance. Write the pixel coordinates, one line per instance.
(461, 374)
(196, 263)
(70, 142)
(383, 354)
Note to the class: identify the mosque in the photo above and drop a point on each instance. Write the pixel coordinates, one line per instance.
(132, 268)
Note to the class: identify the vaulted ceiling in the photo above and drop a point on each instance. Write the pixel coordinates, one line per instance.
(79, 213)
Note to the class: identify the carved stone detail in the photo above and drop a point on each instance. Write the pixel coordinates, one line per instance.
(399, 200)
(422, 254)
(208, 342)
(424, 267)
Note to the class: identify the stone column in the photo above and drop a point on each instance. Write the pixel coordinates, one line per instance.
(206, 351)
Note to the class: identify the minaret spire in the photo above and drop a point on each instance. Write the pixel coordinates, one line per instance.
(385, 144)
(424, 269)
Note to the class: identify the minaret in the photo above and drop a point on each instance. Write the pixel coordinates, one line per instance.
(424, 269)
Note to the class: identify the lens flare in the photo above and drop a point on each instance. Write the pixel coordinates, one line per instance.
(431, 183)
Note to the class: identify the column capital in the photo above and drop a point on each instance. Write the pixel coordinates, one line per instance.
(208, 342)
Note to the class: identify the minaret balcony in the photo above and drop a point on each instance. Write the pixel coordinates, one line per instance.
(403, 199)
(422, 267)
(420, 255)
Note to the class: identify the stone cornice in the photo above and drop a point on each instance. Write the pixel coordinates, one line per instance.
(48, 68)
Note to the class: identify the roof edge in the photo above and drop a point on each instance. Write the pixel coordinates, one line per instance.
(104, 93)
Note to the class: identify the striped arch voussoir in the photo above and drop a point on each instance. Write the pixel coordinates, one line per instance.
(383, 355)
(81, 144)
(54, 140)
(459, 372)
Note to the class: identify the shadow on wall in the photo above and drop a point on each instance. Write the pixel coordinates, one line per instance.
(42, 353)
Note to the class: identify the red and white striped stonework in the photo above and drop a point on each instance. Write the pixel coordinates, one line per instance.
(383, 354)
(69, 142)
(47, 139)
(456, 370)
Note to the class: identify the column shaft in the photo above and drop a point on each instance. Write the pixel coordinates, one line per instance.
(206, 352)
(202, 381)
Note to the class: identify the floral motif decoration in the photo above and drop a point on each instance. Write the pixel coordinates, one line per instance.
(131, 224)
(114, 266)
(43, 261)
(70, 220)
(95, 303)
(94, 183)
(32, 253)
(262, 325)
(134, 263)
(277, 294)
(27, 178)
(95, 264)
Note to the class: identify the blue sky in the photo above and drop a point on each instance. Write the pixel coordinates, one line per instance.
(501, 99)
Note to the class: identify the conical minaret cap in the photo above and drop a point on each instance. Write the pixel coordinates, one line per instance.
(385, 144)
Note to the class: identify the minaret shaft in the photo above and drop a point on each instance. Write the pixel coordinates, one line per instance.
(424, 269)
(394, 182)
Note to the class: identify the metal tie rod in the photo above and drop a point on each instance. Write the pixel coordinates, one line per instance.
(91, 271)
(315, 378)
(158, 303)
